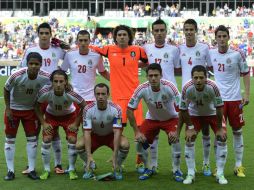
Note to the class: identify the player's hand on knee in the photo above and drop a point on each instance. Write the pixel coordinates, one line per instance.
(73, 128)
(140, 137)
(221, 135)
(190, 135)
(173, 137)
(47, 129)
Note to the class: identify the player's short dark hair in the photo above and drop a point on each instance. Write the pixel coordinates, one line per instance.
(125, 28)
(159, 21)
(83, 32)
(101, 85)
(154, 66)
(44, 25)
(34, 55)
(63, 73)
(192, 22)
(221, 28)
(199, 68)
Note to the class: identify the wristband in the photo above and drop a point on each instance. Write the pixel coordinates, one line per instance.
(190, 127)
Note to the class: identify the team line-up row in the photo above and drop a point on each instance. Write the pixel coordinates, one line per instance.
(40, 95)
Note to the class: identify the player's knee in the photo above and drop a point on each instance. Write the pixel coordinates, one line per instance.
(47, 139)
(72, 139)
(80, 145)
(237, 132)
(124, 144)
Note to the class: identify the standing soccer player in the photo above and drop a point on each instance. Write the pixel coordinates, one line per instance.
(167, 56)
(20, 93)
(103, 126)
(160, 96)
(83, 63)
(60, 112)
(201, 103)
(229, 65)
(51, 55)
(194, 53)
(124, 61)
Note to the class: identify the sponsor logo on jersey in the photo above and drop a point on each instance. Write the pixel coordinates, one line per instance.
(75, 61)
(53, 55)
(215, 60)
(198, 54)
(151, 55)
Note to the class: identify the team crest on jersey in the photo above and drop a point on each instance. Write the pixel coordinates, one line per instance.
(164, 97)
(133, 54)
(165, 55)
(90, 63)
(229, 61)
(198, 54)
(53, 55)
(65, 103)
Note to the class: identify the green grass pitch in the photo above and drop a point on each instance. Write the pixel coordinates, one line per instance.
(163, 180)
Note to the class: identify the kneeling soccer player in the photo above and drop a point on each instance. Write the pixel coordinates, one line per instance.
(59, 112)
(201, 103)
(102, 125)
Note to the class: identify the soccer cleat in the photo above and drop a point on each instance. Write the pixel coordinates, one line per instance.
(155, 170)
(189, 179)
(147, 174)
(178, 176)
(140, 168)
(215, 172)
(59, 170)
(45, 175)
(10, 176)
(32, 175)
(239, 171)
(73, 175)
(118, 175)
(221, 180)
(26, 171)
(88, 175)
(206, 170)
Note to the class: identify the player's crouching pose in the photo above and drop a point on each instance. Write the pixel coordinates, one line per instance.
(102, 125)
(201, 103)
(60, 112)
(20, 93)
(160, 96)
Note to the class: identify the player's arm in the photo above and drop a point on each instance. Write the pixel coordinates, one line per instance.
(7, 104)
(246, 82)
(221, 134)
(105, 74)
(117, 138)
(138, 135)
(88, 145)
(74, 126)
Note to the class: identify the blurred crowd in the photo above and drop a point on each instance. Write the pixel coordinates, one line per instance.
(15, 37)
